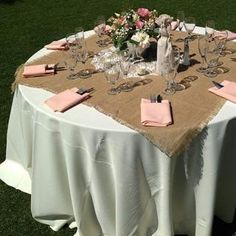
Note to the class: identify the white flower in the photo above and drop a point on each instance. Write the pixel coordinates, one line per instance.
(142, 38)
(135, 17)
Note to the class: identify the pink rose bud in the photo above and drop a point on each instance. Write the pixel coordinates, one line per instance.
(143, 12)
(139, 24)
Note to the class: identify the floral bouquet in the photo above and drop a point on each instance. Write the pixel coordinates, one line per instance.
(132, 26)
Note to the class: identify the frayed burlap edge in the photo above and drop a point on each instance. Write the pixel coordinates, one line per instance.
(178, 148)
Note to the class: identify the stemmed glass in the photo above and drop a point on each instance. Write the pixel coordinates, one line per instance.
(79, 35)
(212, 54)
(210, 28)
(180, 20)
(71, 42)
(112, 75)
(189, 25)
(125, 66)
(221, 39)
(70, 60)
(99, 28)
(70, 64)
(82, 52)
(202, 43)
(171, 72)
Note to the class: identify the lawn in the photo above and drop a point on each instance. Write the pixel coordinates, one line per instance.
(25, 26)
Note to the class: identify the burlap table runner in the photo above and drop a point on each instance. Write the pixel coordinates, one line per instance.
(192, 108)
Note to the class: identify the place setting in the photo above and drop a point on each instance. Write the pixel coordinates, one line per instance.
(140, 55)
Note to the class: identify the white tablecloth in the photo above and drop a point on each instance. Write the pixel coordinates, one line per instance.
(83, 167)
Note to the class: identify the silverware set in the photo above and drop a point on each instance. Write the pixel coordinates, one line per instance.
(155, 98)
(82, 90)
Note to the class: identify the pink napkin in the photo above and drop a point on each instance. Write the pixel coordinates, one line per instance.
(66, 99)
(231, 35)
(155, 114)
(56, 45)
(228, 91)
(38, 70)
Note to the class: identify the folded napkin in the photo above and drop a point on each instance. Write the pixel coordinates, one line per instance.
(221, 35)
(56, 45)
(38, 70)
(228, 91)
(155, 114)
(65, 100)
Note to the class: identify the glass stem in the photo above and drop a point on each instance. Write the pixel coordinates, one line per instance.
(204, 63)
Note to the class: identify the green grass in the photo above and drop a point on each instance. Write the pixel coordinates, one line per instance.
(25, 26)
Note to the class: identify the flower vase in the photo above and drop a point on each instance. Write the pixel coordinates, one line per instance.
(135, 52)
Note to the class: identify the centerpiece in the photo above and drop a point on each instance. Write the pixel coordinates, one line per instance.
(135, 29)
(132, 28)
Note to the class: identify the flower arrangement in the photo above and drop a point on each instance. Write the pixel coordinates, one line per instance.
(132, 26)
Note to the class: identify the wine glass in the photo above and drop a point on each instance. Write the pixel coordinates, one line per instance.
(180, 19)
(71, 42)
(221, 39)
(100, 25)
(79, 35)
(210, 28)
(82, 51)
(189, 25)
(212, 54)
(202, 43)
(112, 75)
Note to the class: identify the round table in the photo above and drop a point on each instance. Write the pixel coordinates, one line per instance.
(83, 167)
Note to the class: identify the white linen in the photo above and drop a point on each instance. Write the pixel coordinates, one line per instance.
(86, 168)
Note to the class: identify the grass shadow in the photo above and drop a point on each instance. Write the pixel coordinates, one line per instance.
(9, 1)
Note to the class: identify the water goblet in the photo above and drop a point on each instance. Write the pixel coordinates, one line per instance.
(70, 64)
(125, 66)
(189, 25)
(202, 43)
(212, 54)
(112, 75)
(210, 28)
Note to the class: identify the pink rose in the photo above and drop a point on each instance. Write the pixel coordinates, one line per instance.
(99, 29)
(139, 24)
(143, 12)
(107, 29)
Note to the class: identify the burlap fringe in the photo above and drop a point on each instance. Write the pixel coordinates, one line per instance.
(15, 83)
(183, 145)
